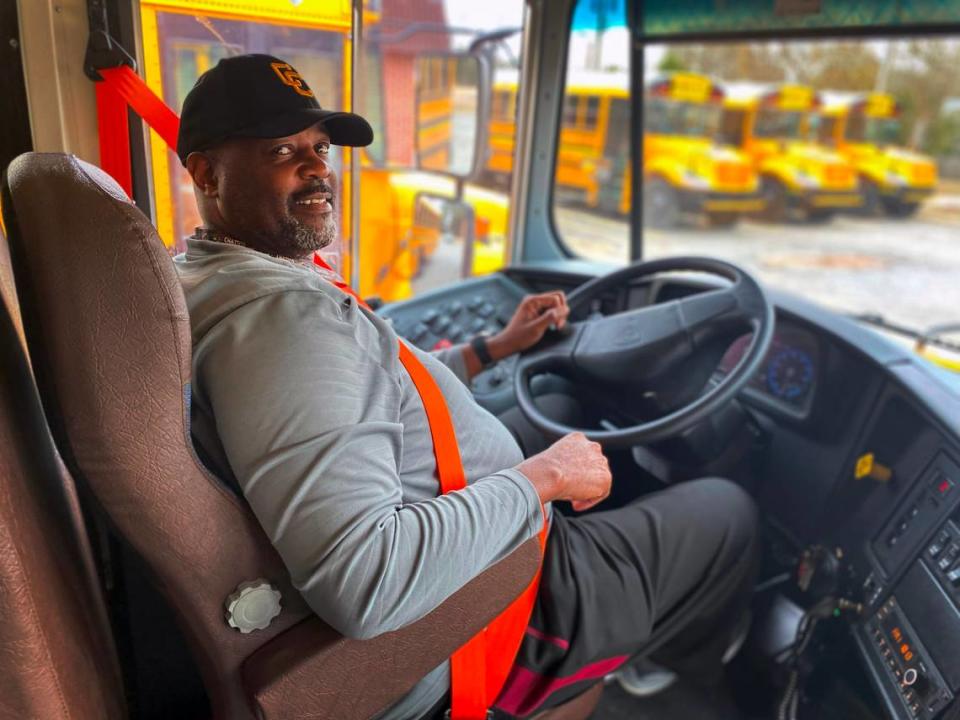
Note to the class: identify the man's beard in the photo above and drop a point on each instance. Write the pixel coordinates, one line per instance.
(295, 239)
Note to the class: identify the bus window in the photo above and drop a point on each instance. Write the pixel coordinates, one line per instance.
(180, 42)
(418, 231)
(592, 177)
(179, 45)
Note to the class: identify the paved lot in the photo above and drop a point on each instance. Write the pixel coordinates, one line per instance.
(907, 270)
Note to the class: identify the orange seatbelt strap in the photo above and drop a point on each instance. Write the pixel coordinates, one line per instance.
(480, 668)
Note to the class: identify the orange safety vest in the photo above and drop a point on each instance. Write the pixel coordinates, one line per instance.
(480, 668)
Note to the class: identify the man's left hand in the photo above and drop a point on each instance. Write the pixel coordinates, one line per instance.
(532, 318)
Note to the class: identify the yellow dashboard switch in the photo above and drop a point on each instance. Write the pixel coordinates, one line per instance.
(867, 466)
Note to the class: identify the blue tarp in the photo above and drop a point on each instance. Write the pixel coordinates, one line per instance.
(600, 14)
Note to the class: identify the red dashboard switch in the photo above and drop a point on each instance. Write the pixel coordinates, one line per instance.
(443, 344)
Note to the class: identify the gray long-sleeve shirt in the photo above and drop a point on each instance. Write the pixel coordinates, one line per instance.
(299, 395)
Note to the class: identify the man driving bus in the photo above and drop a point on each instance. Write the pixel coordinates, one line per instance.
(301, 398)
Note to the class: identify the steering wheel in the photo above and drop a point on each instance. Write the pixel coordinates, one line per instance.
(639, 348)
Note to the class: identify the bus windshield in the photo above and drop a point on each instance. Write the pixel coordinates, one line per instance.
(672, 117)
(879, 131)
(772, 123)
(849, 219)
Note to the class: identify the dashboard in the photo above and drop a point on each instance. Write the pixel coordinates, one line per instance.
(862, 455)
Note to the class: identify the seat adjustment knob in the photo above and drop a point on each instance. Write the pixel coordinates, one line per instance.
(252, 606)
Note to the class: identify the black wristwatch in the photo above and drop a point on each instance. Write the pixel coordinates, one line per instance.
(479, 345)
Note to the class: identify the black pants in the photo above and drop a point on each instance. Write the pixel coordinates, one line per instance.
(662, 577)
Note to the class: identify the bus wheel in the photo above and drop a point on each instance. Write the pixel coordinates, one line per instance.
(661, 206)
(900, 209)
(723, 219)
(820, 215)
(774, 195)
(871, 199)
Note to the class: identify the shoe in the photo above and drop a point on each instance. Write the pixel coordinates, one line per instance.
(643, 679)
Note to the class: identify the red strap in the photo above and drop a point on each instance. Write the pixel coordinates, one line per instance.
(480, 668)
(144, 102)
(120, 87)
(114, 136)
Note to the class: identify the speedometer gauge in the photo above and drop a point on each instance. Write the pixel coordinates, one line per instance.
(790, 374)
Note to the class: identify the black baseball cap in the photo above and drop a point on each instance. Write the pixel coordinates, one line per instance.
(258, 96)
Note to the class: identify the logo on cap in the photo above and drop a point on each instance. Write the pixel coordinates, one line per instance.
(289, 76)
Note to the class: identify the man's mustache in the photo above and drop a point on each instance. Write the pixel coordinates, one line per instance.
(319, 187)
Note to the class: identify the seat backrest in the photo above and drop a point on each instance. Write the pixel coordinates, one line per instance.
(58, 660)
(108, 332)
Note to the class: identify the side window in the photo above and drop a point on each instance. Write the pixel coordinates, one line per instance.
(180, 46)
(417, 230)
(591, 186)
(591, 112)
(412, 228)
(571, 104)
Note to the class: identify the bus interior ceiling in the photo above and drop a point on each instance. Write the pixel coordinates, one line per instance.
(530, 146)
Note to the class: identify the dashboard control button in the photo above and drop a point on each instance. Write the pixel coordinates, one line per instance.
(953, 577)
(475, 302)
(456, 307)
(485, 310)
(477, 324)
(949, 555)
(941, 485)
(418, 331)
(937, 547)
(441, 325)
(429, 316)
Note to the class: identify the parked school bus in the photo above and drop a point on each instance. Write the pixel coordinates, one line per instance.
(866, 128)
(798, 176)
(686, 171)
(720, 352)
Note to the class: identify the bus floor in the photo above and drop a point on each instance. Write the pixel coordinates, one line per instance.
(681, 701)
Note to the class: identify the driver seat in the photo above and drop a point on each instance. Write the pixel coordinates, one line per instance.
(109, 335)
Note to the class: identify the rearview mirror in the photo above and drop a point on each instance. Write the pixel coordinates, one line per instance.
(448, 108)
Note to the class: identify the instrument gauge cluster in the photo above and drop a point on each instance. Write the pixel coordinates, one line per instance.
(788, 375)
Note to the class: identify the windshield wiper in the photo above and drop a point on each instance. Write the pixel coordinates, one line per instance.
(932, 336)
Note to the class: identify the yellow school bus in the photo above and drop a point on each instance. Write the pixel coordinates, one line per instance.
(686, 170)
(866, 128)
(797, 175)
(590, 162)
